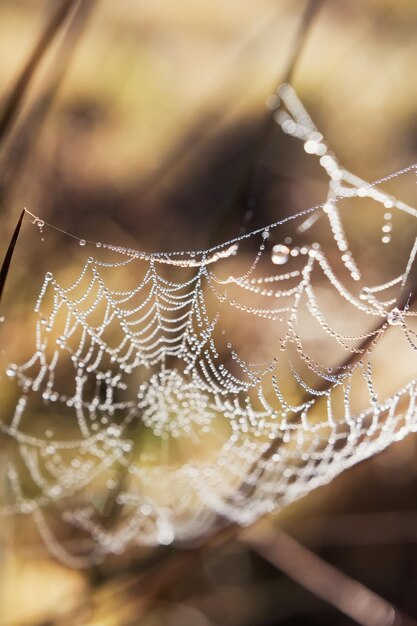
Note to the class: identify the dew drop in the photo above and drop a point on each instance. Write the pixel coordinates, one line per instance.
(55, 491)
(310, 146)
(280, 254)
(165, 535)
(146, 509)
(395, 317)
(26, 506)
(11, 371)
(111, 483)
(82, 242)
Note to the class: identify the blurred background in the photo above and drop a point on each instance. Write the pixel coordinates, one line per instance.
(145, 124)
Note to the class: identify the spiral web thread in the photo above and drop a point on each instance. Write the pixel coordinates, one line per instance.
(168, 391)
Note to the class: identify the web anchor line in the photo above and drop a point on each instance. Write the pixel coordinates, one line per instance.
(166, 257)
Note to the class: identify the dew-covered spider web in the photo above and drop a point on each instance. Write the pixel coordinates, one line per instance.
(168, 393)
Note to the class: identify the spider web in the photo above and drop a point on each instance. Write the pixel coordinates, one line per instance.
(168, 392)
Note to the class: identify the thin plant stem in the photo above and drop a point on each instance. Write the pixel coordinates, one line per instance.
(4, 271)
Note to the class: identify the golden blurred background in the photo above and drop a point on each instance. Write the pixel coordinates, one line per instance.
(140, 123)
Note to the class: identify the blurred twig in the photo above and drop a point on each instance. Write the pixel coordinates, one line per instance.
(324, 580)
(361, 529)
(309, 14)
(20, 143)
(22, 84)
